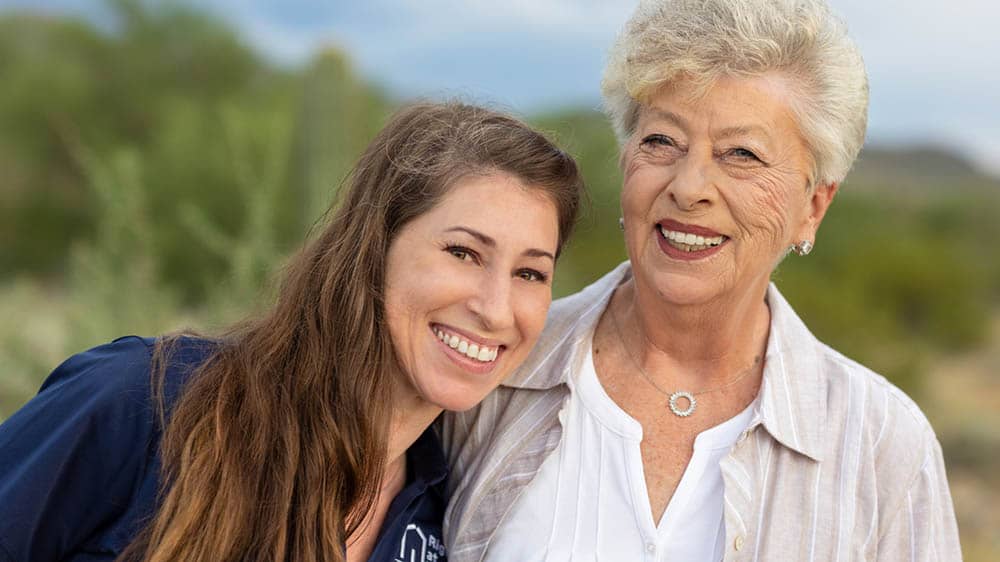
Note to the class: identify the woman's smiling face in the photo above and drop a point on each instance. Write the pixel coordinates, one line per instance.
(468, 286)
(717, 188)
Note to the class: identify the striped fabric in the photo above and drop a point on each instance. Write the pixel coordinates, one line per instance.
(837, 464)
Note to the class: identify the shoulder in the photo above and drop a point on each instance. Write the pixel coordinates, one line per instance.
(854, 389)
(882, 442)
(104, 385)
(851, 412)
(81, 453)
(115, 372)
(120, 371)
(866, 410)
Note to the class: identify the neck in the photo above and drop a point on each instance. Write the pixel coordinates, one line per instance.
(412, 415)
(717, 337)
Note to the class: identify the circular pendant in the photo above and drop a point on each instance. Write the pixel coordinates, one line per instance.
(692, 403)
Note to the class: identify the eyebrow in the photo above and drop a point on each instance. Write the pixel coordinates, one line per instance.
(742, 131)
(530, 252)
(669, 116)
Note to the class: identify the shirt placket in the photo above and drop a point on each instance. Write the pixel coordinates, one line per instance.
(740, 497)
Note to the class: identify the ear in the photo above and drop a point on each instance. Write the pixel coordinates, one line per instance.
(817, 203)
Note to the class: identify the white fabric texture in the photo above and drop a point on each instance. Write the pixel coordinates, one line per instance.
(589, 498)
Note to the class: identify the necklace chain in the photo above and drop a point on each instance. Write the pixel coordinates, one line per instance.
(676, 395)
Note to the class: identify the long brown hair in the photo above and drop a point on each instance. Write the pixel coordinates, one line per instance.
(275, 449)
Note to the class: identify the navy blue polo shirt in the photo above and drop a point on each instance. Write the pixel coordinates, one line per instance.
(80, 464)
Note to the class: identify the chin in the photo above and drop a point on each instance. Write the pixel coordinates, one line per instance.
(462, 406)
(458, 403)
(687, 288)
(455, 397)
(689, 295)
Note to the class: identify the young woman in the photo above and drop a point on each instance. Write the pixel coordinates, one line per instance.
(303, 434)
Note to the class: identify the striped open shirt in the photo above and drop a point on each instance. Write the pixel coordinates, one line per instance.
(837, 463)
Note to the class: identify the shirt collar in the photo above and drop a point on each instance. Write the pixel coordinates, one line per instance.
(792, 400)
(792, 394)
(426, 460)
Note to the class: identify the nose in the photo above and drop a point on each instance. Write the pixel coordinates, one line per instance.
(691, 186)
(491, 302)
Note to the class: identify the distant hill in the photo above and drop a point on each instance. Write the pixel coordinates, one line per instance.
(924, 169)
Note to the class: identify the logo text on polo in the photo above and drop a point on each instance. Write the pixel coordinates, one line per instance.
(419, 546)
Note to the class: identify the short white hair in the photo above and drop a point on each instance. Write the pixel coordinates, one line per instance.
(703, 40)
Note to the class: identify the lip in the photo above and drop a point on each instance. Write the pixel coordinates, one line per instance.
(669, 224)
(681, 255)
(464, 361)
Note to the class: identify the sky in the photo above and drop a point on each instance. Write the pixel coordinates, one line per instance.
(934, 67)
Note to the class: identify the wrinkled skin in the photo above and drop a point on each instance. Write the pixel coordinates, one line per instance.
(733, 161)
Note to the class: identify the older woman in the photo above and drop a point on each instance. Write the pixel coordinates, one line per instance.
(678, 409)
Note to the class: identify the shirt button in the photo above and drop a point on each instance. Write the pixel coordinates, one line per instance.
(650, 547)
(738, 543)
(745, 435)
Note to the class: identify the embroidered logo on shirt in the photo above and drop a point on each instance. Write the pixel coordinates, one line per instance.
(419, 546)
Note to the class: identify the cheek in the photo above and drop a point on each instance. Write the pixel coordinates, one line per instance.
(397, 318)
(407, 306)
(762, 209)
(532, 309)
(640, 187)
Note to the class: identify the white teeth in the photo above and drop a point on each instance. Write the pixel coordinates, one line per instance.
(690, 242)
(471, 350)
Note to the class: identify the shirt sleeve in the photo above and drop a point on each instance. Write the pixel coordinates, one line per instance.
(71, 458)
(924, 527)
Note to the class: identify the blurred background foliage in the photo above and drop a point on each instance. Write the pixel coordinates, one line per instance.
(153, 175)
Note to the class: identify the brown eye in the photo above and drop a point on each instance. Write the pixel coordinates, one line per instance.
(462, 253)
(532, 275)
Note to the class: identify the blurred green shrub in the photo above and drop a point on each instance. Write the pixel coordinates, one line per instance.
(887, 286)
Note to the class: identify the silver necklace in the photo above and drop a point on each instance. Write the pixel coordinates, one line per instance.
(677, 395)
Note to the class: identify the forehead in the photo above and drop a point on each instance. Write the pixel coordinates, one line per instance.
(493, 190)
(731, 106)
(500, 205)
